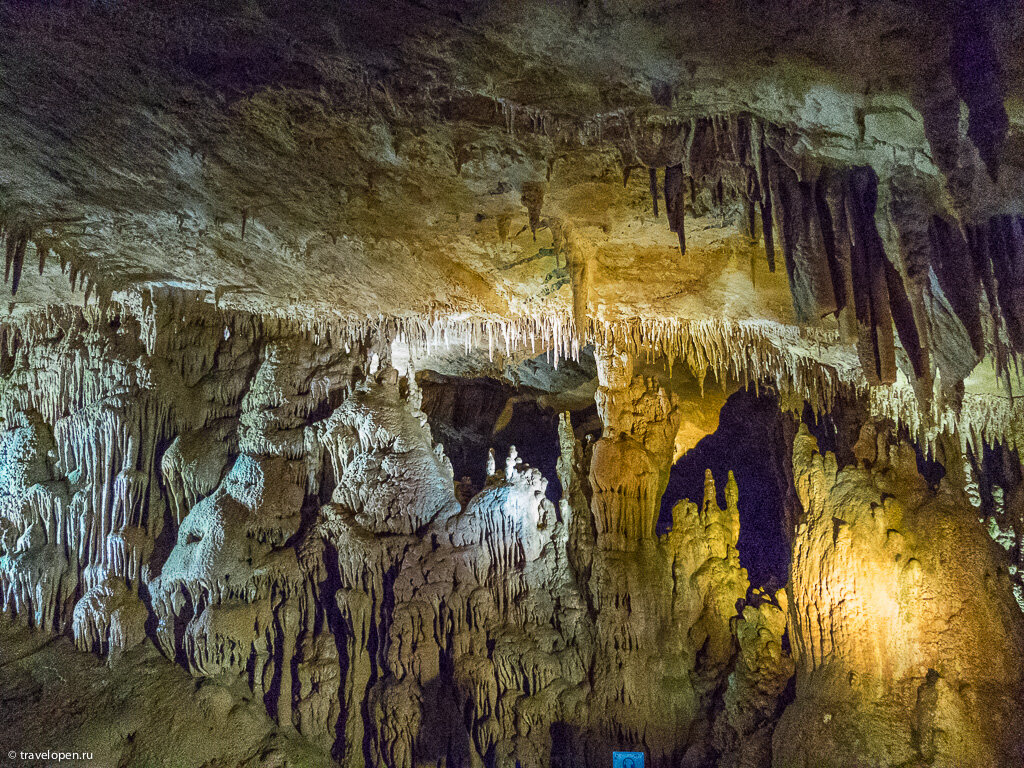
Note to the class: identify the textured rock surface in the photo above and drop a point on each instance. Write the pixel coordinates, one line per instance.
(265, 503)
(286, 520)
(138, 711)
(269, 261)
(466, 161)
(895, 590)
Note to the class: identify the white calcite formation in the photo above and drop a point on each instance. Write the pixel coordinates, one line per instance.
(277, 510)
(109, 619)
(265, 502)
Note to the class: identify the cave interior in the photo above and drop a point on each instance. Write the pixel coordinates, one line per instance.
(492, 384)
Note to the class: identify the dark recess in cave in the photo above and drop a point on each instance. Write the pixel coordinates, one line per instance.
(470, 416)
(1000, 466)
(754, 440)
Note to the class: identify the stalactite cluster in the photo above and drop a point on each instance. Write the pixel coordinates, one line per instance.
(713, 162)
(826, 224)
(996, 265)
(17, 235)
(799, 364)
(837, 263)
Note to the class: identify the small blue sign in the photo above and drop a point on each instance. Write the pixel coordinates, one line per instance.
(627, 760)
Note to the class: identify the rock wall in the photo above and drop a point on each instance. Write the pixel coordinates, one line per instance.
(270, 506)
(905, 634)
(265, 503)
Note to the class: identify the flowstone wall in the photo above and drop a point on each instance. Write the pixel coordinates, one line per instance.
(265, 503)
(905, 632)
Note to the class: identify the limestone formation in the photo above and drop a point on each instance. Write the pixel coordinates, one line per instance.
(630, 464)
(388, 384)
(895, 589)
(310, 542)
(757, 685)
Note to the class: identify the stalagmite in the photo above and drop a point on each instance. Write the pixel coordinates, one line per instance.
(630, 467)
(756, 687)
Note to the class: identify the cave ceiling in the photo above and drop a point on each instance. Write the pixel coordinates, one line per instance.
(490, 160)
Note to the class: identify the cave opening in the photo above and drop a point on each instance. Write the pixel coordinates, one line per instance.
(753, 440)
(470, 416)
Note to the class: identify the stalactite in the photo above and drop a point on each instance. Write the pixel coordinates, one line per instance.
(11, 246)
(675, 204)
(1005, 246)
(836, 256)
(16, 245)
(765, 203)
(875, 341)
(652, 174)
(906, 327)
(955, 271)
(938, 334)
(18, 262)
(533, 199)
(807, 262)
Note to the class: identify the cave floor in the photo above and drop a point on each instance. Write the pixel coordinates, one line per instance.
(138, 712)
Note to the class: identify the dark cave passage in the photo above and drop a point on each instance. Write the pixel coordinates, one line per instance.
(754, 440)
(470, 416)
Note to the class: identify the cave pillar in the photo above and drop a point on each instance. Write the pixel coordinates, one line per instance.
(631, 462)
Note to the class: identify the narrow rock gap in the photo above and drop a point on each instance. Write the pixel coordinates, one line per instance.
(332, 617)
